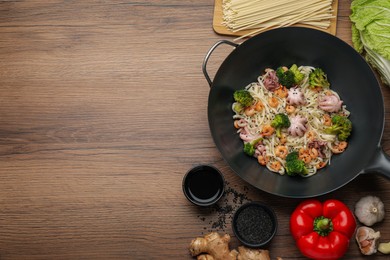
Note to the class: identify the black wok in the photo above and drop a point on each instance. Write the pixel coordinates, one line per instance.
(348, 74)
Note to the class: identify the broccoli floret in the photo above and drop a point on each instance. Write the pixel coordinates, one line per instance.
(292, 156)
(280, 121)
(341, 126)
(249, 148)
(243, 97)
(237, 107)
(286, 77)
(317, 78)
(294, 165)
(298, 76)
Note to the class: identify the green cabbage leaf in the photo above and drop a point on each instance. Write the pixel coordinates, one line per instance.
(371, 33)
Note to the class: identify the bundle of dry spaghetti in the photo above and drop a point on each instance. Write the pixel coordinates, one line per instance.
(260, 15)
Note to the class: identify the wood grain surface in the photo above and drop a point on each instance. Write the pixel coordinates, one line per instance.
(103, 109)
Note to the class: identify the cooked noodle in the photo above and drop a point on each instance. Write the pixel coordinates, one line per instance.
(315, 116)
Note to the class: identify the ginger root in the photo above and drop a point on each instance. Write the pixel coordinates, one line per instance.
(245, 253)
(216, 247)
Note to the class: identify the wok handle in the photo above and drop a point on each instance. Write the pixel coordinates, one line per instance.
(380, 163)
(206, 58)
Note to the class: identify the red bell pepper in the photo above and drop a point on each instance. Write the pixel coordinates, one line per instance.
(322, 230)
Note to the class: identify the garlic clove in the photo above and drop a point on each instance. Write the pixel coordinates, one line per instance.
(384, 248)
(367, 240)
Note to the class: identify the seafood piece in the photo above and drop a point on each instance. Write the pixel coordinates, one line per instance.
(330, 103)
(260, 150)
(240, 123)
(298, 126)
(281, 151)
(282, 92)
(320, 146)
(290, 109)
(339, 148)
(295, 97)
(271, 81)
(273, 102)
(259, 106)
(250, 111)
(246, 136)
(267, 130)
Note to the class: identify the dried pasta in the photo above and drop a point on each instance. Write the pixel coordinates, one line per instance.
(260, 15)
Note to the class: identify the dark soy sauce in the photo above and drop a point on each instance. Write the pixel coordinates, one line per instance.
(204, 185)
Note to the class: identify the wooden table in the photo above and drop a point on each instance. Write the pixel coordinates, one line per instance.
(103, 110)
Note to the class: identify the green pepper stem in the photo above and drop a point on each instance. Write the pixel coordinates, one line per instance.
(323, 226)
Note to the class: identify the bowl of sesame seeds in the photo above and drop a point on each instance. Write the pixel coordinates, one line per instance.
(254, 224)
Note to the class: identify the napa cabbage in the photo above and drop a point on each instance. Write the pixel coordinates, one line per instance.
(371, 33)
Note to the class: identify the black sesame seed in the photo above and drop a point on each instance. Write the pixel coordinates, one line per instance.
(254, 225)
(219, 215)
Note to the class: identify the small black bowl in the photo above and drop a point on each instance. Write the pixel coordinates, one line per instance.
(254, 224)
(203, 185)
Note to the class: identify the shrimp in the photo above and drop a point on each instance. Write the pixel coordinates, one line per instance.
(311, 135)
(281, 151)
(250, 111)
(313, 152)
(276, 165)
(316, 89)
(290, 109)
(267, 130)
(304, 155)
(239, 123)
(327, 120)
(320, 165)
(259, 106)
(328, 93)
(273, 102)
(263, 160)
(340, 147)
(282, 92)
(236, 122)
(305, 158)
(283, 139)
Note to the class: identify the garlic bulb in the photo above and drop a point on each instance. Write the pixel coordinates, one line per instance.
(366, 238)
(369, 210)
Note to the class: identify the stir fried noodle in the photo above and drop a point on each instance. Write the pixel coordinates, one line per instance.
(310, 132)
